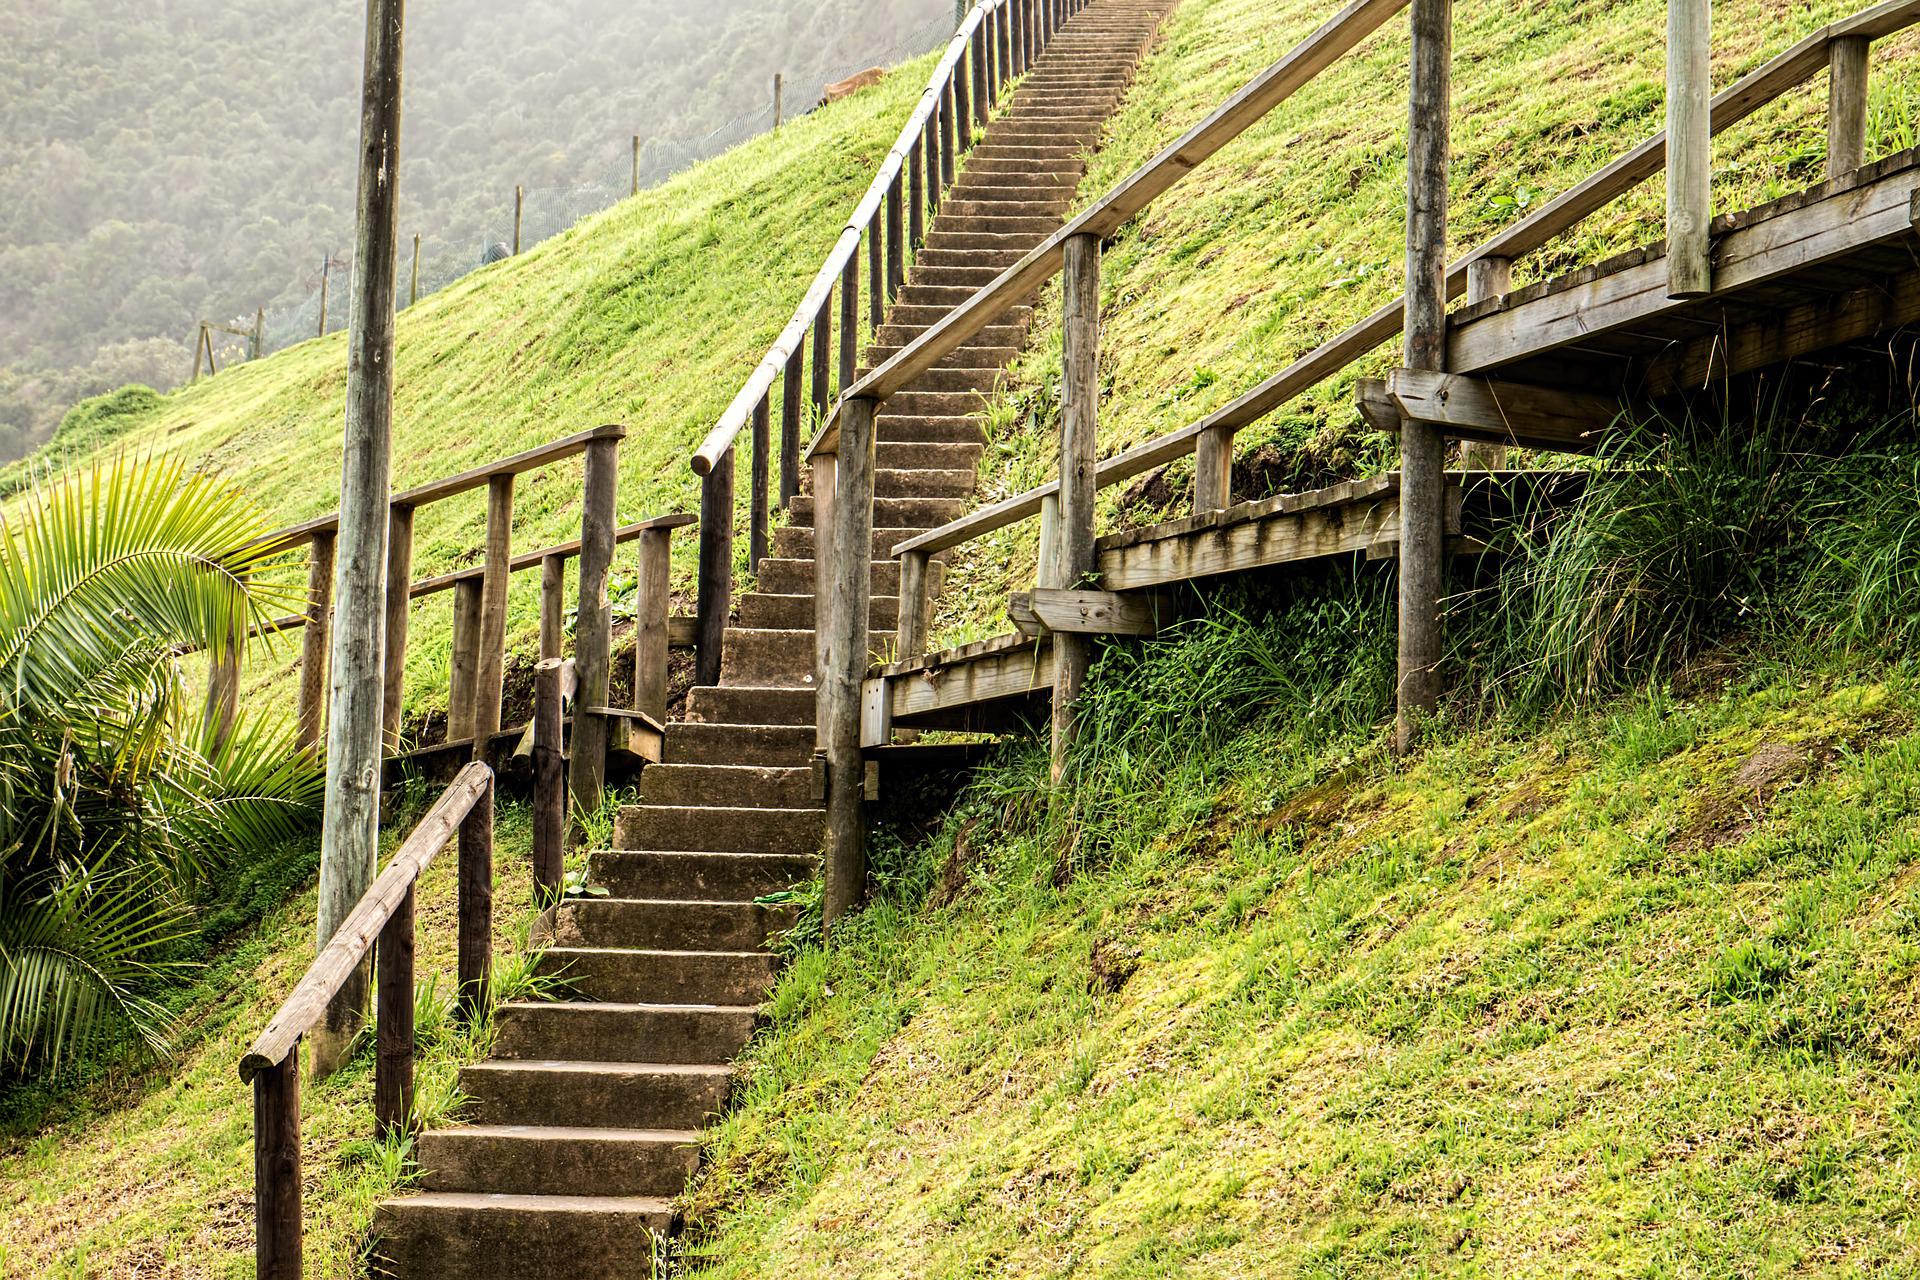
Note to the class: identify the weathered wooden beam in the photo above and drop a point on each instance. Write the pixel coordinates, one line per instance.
(553, 605)
(549, 783)
(489, 684)
(593, 620)
(463, 664)
(474, 945)
(714, 584)
(843, 602)
(1082, 612)
(1280, 537)
(1487, 278)
(1847, 105)
(651, 624)
(1499, 412)
(393, 1023)
(399, 578)
(276, 1168)
(311, 715)
(1079, 455)
(1690, 148)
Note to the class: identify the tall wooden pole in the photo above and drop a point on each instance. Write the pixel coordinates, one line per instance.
(1079, 456)
(413, 282)
(843, 599)
(1689, 147)
(777, 86)
(1422, 460)
(350, 828)
(635, 189)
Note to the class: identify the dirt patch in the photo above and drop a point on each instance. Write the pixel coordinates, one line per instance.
(1109, 966)
(953, 876)
(1770, 769)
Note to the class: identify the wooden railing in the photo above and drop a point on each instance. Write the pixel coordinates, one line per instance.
(842, 452)
(996, 41)
(476, 686)
(382, 923)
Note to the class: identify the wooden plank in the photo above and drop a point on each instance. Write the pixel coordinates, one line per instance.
(474, 945)
(393, 1023)
(713, 594)
(992, 677)
(1502, 412)
(651, 628)
(463, 665)
(276, 1167)
(1079, 452)
(489, 681)
(399, 575)
(1690, 148)
(342, 955)
(549, 783)
(593, 620)
(1822, 230)
(843, 601)
(1847, 105)
(1082, 612)
(1279, 539)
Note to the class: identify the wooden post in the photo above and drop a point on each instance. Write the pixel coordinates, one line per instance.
(475, 946)
(1689, 148)
(634, 190)
(1486, 278)
(1046, 569)
(951, 109)
(715, 585)
(553, 605)
(276, 1169)
(822, 354)
(982, 94)
(519, 205)
(399, 581)
(876, 274)
(776, 99)
(929, 146)
(790, 390)
(315, 639)
(1079, 456)
(1422, 450)
(1213, 470)
(326, 265)
(199, 344)
(960, 125)
(826, 467)
(915, 604)
(917, 194)
(463, 665)
(1847, 104)
(393, 1023)
(896, 239)
(361, 691)
(489, 682)
(413, 279)
(258, 344)
(652, 599)
(223, 683)
(849, 320)
(593, 624)
(757, 488)
(843, 601)
(549, 783)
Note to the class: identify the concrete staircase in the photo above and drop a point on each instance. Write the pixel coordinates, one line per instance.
(585, 1121)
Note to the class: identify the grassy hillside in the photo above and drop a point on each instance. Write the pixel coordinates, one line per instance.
(651, 314)
(1296, 230)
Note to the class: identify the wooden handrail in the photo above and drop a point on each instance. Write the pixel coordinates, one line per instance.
(1252, 102)
(760, 381)
(337, 961)
(1779, 75)
(465, 481)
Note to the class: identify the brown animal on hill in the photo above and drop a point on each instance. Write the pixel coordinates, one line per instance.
(852, 84)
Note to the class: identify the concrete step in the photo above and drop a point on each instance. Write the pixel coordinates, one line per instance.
(612, 1095)
(1063, 153)
(944, 458)
(729, 830)
(670, 977)
(989, 223)
(720, 704)
(795, 577)
(993, 349)
(924, 482)
(1047, 171)
(998, 240)
(787, 745)
(586, 1031)
(534, 1160)
(795, 613)
(971, 279)
(463, 1235)
(798, 544)
(679, 875)
(733, 785)
(664, 924)
(944, 297)
(920, 402)
(763, 656)
(900, 513)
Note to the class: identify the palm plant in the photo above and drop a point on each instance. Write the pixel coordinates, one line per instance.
(118, 800)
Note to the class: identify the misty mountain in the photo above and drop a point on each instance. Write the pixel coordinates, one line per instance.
(181, 160)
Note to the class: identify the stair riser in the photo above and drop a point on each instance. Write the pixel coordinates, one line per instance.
(785, 745)
(515, 1166)
(796, 612)
(671, 926)
(621, 1099)
(477, 1242)
(719, 830)
(901, 513)
(736, 786)
(797, 544)
(900, 453)
(718, 704)
(795, 577)
(580, 1031)
(665, 977)
(719, 877)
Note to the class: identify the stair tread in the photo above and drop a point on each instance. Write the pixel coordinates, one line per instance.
(619, 1006)
(587, 1067)
(569, 1133)
(649, 1205)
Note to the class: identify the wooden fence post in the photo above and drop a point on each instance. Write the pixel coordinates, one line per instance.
(399, 584)
(652, 599)
(549, 783)
(982, 94)
(519, 204)
(1486, 278)
(843, 601)
(876, 273)
(757, 488)
(1689, 148)
(276, 1169)
(553, 605)
(777, 86)
(223, 683)
(315, 642)
(1213, 470)
(326, 265)
(1046, 569)
(849, 320)
(960, 126)
(716, 568)
(896, 239)
(475, 946)
(790, 390)
(915, 605)
(258, 345)
(826, 469)
(917, 194)
(463, 666)
(1847, 104)
(490, 672)
(413, 280)
(634, 190)
(593, 623)
(951, 109)
(1079, 456)
(1422, 456)
(393, 1023)
(822, 356)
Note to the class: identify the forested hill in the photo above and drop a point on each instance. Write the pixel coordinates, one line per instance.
(179, 160)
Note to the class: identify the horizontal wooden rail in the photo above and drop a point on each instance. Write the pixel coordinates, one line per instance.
(465, 481)
(1275, 85)
(1778, 76)
(754, 392)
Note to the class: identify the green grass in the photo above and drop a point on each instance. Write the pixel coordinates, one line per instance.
(147, 1169)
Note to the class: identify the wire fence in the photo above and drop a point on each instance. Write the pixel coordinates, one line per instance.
(545, 212)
